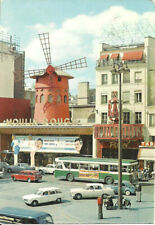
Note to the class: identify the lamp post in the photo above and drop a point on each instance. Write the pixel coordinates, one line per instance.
(119, 69)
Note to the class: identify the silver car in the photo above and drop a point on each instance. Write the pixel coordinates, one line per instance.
(92, 191)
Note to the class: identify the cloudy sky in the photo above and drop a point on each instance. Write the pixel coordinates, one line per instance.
(76, 28)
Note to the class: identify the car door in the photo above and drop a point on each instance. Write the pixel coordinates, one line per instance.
(98, 191)
(89, 192)
(45, 197)
(53, 195)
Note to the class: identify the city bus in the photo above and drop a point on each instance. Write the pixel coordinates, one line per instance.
(95, 169)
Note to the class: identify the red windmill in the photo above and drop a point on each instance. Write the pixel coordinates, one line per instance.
(52, 99)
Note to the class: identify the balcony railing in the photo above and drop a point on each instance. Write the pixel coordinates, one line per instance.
(111, 131)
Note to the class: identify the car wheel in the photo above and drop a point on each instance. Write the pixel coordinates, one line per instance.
(59, 200)
(109, 180)
(70, 177)
(104, 196)
(29, 180)
(13, 178)
(34, 203)
(9, 170)
(127, 193)
(78, 196)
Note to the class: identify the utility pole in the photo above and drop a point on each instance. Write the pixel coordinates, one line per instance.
(119, 69)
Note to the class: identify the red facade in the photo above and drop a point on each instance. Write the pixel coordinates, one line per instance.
(11, 108)
(52, 103)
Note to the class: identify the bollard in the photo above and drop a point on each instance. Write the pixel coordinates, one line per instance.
(100, 202)
(138, 193)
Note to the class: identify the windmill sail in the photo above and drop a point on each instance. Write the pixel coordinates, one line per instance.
(75, 64)
(45, 43)
(34, 73)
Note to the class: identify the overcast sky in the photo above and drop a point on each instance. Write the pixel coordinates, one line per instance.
(76, 28)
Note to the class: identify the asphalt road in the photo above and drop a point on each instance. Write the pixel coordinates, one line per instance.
(83, 211)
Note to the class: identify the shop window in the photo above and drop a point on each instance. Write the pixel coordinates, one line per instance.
(50, 98)
(65, 99)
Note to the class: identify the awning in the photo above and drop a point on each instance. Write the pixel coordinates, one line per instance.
(146, 154)
(136, 55)
(114, 56)
(104, 56)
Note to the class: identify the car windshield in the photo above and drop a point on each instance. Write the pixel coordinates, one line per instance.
(39, 192)
(46, 219)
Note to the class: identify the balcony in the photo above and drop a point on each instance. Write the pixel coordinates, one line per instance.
(111, 131)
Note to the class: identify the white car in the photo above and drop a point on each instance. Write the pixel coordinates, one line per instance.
(92, 190)
(49, 168)
(44, 195)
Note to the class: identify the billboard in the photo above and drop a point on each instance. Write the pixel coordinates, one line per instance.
(48, 144)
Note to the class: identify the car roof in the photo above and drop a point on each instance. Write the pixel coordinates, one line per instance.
(48, 189)
(22, 213)
(93, 184)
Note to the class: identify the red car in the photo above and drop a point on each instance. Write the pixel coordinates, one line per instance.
(27, 175)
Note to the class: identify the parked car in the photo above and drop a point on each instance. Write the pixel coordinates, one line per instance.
(92, 191)
(49, 168)
(127, 188)
(27, 175)
(12, 215)
(16, 168)
(44, 195)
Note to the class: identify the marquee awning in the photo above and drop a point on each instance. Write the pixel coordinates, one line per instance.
(136, 55)
(114, 56)
(146, 154)
(104, 56)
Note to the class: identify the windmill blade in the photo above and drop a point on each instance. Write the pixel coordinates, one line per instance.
(34, 73)
(45, 43)
(75, 64)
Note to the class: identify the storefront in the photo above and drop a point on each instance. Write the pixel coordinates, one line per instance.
(146, 156)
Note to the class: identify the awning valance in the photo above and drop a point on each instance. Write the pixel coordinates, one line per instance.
(136, 55)
(114, 56)
(146, 154)
(104, 56)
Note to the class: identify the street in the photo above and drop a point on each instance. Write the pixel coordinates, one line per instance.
(78, 211)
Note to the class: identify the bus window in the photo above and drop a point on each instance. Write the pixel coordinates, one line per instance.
(74, 166)
(93, 167)
(83, 166)
(113, 168)
(67, 165)
(104, 167)
(58, 165)
(124, 168)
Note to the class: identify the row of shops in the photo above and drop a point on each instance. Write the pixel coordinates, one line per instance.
(41, 144)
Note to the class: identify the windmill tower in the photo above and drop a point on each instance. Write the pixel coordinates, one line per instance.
(52, 98)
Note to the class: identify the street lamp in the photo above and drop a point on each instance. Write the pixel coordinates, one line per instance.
(118, 69)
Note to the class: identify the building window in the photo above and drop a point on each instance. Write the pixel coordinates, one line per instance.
(50, 99)
(114, 78)
(41, 98)
(58, 99)
(65, 99)
(104, 118)
(138, 97)
(114, 94)
(152, 120)
(104, 79)
(138, 117)
(126, 97)
(59, 78)
(103, 99)
(126, 117)
(138, 77)
(126, 78)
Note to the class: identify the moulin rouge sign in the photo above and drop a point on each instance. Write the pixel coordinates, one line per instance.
(23, 121)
